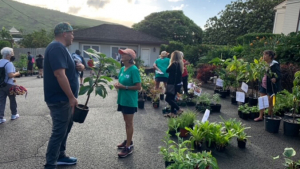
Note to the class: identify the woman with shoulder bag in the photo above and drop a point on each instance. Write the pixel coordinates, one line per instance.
(175, 71)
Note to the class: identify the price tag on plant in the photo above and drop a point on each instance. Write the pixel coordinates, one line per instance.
(219, 82)
(191, 85)
(206, 116)
(244, 87)
(197, 91)
(263, 102)
(240, 97)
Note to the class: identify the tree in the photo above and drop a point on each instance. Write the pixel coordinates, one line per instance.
(239, 18)
(5, 35)
(37, 39)
(171, 26)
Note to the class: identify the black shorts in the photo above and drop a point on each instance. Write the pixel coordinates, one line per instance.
(161, 79)
(29, 66)
(264, 91)
(126, 109)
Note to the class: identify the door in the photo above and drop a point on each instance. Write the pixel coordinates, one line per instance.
(145, 56)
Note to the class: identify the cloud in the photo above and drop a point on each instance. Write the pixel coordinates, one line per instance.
(74, 10)
(97, 3)
(179, 7)
(174, 0)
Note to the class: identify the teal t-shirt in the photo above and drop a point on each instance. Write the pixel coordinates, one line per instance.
(162, 64)
(128, 78)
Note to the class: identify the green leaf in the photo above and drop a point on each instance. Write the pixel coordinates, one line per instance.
(91, 81)
(87, 79)
(277, 157)
(106, 78)
(90, 90)
(289, 152)
(111, 87)
(99, 91)
(84, 89)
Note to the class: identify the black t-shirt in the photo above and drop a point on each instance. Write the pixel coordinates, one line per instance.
(175, 73)
(58, 57)
(39, 62)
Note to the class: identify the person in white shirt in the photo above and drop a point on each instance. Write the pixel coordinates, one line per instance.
(10, 73)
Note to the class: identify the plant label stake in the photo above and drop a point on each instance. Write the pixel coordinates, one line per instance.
(191, 85)
(219, 82)
(240, 97)
(263, 102)
(206, 116)
(244, 87)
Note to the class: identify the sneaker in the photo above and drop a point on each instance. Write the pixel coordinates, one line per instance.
(14, 117)
(126, 151)
(66, 161)
(123, 145)
(2, 121)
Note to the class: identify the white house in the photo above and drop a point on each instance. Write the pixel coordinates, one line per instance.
(108, 39)
(287, 17)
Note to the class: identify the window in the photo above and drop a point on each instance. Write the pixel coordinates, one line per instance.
(114, 52)
(86, 47)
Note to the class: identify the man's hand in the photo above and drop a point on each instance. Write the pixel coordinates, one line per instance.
(273, 80)
(73, 102)
(80, 67)
(17, 73)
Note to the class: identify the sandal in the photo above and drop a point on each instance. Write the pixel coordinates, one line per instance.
(179, 112)
(258, 119)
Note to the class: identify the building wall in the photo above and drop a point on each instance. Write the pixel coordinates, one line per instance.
(154, 53)
(279, 21)
(291, 16)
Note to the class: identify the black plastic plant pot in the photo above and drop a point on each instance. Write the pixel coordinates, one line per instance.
(223, 94)
(246, 100)
(182, 104)
(149, 98)
(290, 128)
(253, 115)
(253, 101)
(162, 96)
(228, 92)
(242, 143)
(290, 116)
(233, 101)
(212, 144)
(172, 132)
(215, 107)
(80, 113)
(216, 91)
(220, 148)
(155, 104)
(272, 124)
(245, 116)
(168, 163)
(198, 145)
(191, 103)
(239, 113)
(141, 104)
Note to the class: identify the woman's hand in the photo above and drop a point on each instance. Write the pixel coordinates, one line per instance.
(119, 86)
(273, 80)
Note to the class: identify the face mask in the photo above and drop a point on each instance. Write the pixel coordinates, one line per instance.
(12, 58)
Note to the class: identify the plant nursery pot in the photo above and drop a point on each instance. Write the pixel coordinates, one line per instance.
(272, 124)
(233, 101)
(290, 116)
(212, 144)
(168, 163)
(253, 115)
(183, 133)
(201, 108)
(141, 103)
(215, 107)
(245, 116)
(80, 113)
(253, 101)
(246, 100)
(155, 104)
(216, 91)
(228, 92)
(290, 128)
(149, 98)
(223, 93)
(166, 110)
(172, 132)
(198, 145)
(239, 113)
(220, 148)
(162, 96)
(182, 104)
(191, 103)
(242, 143)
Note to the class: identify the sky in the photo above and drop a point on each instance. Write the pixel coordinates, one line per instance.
(128, 12)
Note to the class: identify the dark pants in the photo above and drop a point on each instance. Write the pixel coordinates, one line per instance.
(185, 84)
(170, 98)
(81, 74)
(62, 121)
(4, 92)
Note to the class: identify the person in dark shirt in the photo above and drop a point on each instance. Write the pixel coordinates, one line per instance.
(60, 92)
(29, 64)
(78, 58)
(40, 64)
(175, 71)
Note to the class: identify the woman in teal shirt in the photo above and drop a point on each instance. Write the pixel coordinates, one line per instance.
(128, 86)
(161, 66)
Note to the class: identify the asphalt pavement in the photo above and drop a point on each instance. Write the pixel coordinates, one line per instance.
(23, 142)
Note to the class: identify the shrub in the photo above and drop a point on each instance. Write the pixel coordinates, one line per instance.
(287, 73)
(4, 44)
(288, 49)
(248, 38)
(205, 71)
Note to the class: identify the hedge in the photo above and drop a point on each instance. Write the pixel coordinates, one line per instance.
(248, 38)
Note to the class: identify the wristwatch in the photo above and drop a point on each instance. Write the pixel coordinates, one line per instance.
(126, 87)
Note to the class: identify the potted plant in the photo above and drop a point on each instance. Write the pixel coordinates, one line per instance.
(95, 83)
(191, 101)
(254, 112)
(289, 162)
(197, 137)
(173, 126)
(242, 137)
(222, 139)
(154, 94)
(182, 99)
(272, 122)
(215, 103)
(203, 160)
(165, 150)
(203, 102)
(245, 111)
(210, 130)
(186, 120)
(252, 76)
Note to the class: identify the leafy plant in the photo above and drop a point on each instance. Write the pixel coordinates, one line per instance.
(97, 81)
(197, 134)
(244, 108)
(215, 98)
(203, 98)
(191, 71)
(186, 119)
(289, 163)
(165, 150)
(202, 160)
(173, 124)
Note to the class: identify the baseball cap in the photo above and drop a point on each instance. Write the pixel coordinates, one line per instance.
(164, 53)
(128, 52)
(62, 27)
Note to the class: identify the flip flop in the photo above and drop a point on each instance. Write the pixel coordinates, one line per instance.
(179, 112)
(258, 119)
